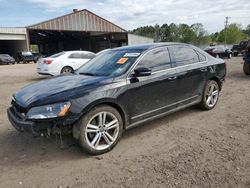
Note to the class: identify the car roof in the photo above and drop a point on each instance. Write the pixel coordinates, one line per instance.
(77, 51)
(148, 46)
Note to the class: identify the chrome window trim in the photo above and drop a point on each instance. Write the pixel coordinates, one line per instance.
(131, 69)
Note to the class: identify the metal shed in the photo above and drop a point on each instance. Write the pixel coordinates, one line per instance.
(13, 39)
(79, 30)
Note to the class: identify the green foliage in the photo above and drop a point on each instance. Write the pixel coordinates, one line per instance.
(247, 31)
(194, 34)
(233, 34)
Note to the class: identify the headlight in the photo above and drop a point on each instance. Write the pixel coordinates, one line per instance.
(49, 111)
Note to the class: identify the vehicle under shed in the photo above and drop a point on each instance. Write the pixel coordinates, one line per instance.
(49, 41)
(78, 30)
(13, 40)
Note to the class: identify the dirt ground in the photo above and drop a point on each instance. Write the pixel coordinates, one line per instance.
(191, 148)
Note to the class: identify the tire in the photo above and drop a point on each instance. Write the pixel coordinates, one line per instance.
(235, 54)
(211, 91)
(67, 70)
(246, 68)
(96, 139)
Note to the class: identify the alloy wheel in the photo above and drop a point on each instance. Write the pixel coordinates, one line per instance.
(102, 130)
(212, 95)
(67, 71)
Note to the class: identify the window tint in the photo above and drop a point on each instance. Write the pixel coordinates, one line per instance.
(87, 56)
(157, 59)
(111, 63)
(184, 55)
(201, 56)
(75, 56)
(57, 55)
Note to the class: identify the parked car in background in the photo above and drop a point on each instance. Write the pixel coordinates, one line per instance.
(219, 51)
(37, 56)
(25, 57)
(239, 48)
(119, 89)
(63, 63)
(6, 59)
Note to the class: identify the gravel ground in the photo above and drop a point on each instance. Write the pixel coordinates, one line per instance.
(191, 148)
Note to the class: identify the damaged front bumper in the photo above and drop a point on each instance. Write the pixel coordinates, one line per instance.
(21, 124)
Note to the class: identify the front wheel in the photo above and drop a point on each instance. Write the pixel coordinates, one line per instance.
(246, 68)
(100, 130)
(210, 95)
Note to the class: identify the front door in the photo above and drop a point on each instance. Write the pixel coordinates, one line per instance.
(154, 94)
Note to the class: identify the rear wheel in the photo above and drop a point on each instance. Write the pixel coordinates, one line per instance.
(100, 130)
(246, 68)
(67, 70)
(210, 95)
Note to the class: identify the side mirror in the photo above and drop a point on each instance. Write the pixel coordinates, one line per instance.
(142, 71)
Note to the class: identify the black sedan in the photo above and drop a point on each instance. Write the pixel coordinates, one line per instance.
(6, 59)
(117, 90)
(219, 52)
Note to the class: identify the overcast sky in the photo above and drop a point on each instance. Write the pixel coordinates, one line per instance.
(130, 14)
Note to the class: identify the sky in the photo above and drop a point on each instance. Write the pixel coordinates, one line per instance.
(130, 14)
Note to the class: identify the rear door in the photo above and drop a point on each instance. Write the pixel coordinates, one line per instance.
(154, 94)
(191, 73)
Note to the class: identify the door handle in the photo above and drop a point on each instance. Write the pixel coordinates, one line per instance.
(204, 70)
(172, 78)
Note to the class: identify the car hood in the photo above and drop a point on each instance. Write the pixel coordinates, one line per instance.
(57, 89)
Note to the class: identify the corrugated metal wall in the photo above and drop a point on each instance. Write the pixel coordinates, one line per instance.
(13, 30)
(83, 20)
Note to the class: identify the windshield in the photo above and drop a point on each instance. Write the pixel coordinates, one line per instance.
(110, 63)
(57, 55)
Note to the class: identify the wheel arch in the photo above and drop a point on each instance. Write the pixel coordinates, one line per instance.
(217, 80)
(65, 67)
(107, 101)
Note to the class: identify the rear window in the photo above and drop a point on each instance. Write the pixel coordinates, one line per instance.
(184, 55)
(57, 55)
(201, 56)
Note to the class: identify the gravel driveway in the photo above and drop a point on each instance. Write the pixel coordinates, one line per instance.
(190, 148)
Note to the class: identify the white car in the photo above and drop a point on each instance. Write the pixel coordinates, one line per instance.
(63, 62)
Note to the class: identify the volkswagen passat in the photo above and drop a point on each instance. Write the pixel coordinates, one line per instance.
(117, 90)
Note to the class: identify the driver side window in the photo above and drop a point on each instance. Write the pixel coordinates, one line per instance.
(156, 59)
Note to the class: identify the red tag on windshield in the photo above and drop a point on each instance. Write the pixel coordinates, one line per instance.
(122, 60)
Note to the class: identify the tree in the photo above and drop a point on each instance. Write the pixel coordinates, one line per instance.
(233, 34)
(247, 31)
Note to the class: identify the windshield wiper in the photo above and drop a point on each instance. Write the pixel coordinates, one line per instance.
(86, 73)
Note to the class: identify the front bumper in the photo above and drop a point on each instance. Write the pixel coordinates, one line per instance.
(23, 125)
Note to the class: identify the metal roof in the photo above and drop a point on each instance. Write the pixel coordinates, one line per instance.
(13, 30)
(82, 20)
